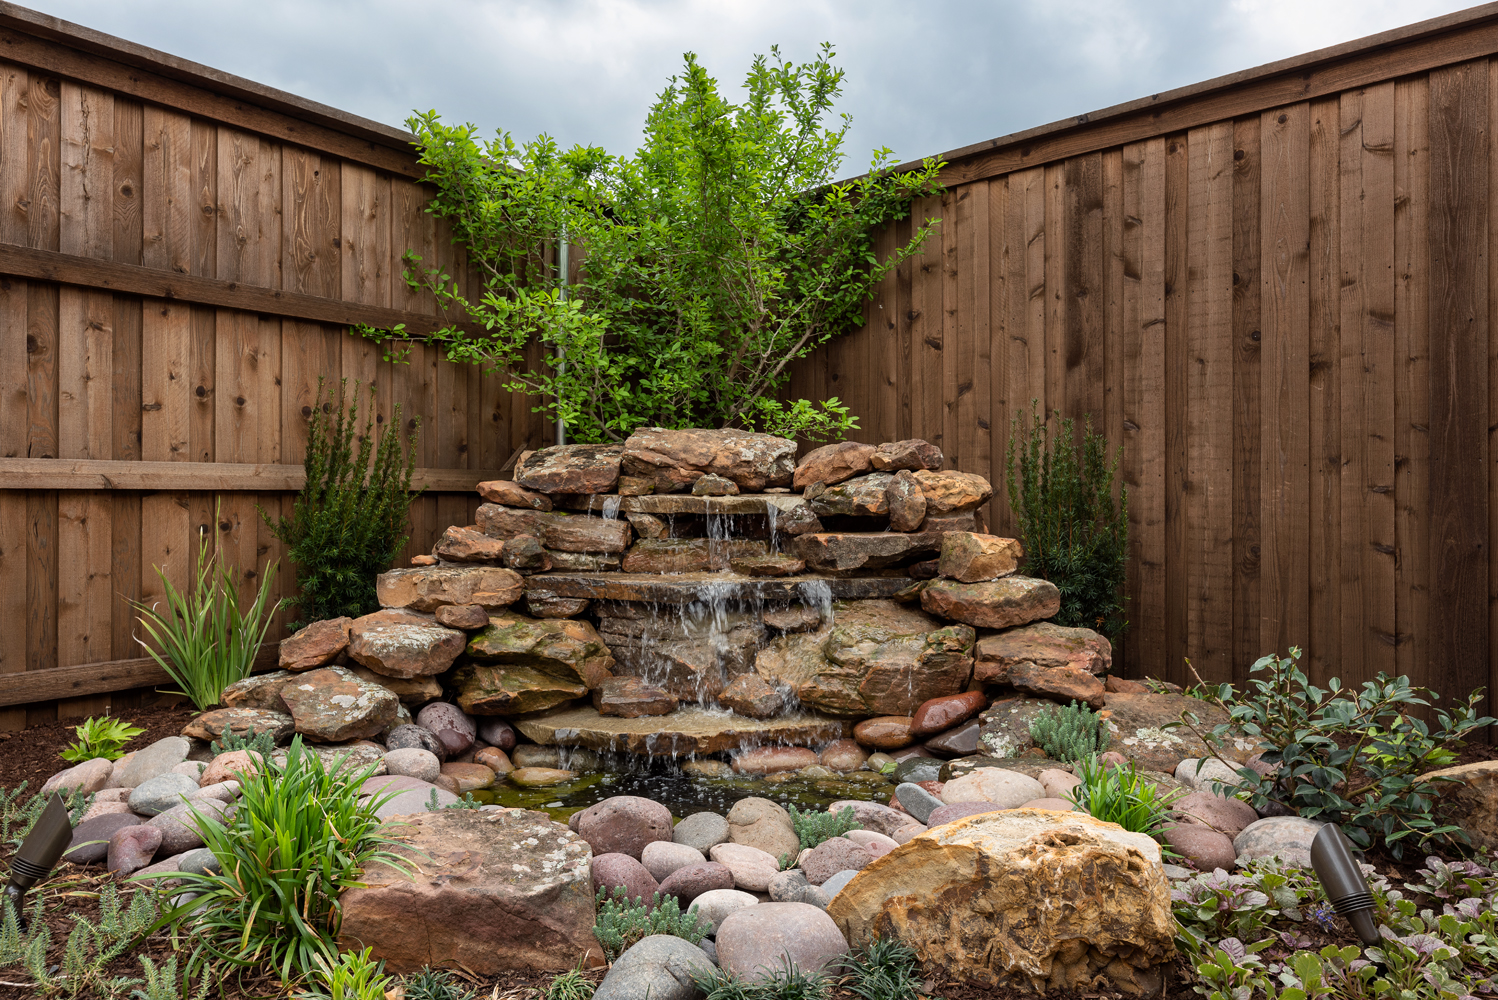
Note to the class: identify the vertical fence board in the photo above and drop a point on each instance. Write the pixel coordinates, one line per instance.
(15, 154)
(1247, 360)
(167, 204)
(1177, 364)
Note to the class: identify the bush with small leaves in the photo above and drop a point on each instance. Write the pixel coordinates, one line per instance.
(622, 921)
(815, 827)
(1069, 733)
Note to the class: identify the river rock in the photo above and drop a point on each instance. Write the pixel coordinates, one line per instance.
(937, 715)
(963, 897)
(877, 844)
(473, 865)
(1208, 775)
(751, 695)
(1219, 812)
(540, 777)
(691, 881)
(757, 941)
(834, 855)
(913, 454)
(715, 905)
(843, 755)
(702, 831)
(1286, 837)
(230, 766)
(873, 815)
(752, 868)
(441, 717)
(315, 645)
(624, 824)
(404, 795)
(770, 760)
(90, 842)
(156, 795)
(426, 588)
(1470, 800)
(875, 658)
(620, 871)
(497, 733)
(1202, 846)
(332, 704)
(1005, 789)
(1044, 644)
(88, 777)
(764, 825)
(180, 825)
(888, 732)
(971, 557)
(657, 967)
(502, 491)
(1013, 600)
(673, 459)
(959, 742)
(410, 736)
(470, 777)
(158, 758)
(131, 849)
(422, 765)
(916, 800)
(787, 886)
(662, 857)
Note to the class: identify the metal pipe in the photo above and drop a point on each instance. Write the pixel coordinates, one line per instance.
(562, 351)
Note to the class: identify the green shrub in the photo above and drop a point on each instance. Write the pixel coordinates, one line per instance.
(570, 985)
(355, 976)
(299, 837)
(205, 641)
(90, 948)
(434, 984)
(719, 252)
(102, 737)
(1351, 756)
(621, 921)
(886, 969)
(349, 521)
(164, 983)
(1069, 733)
(1119, 795)
(17, 817)
(261, 744)
(816, 826)
(779, 984)
(1075, 534)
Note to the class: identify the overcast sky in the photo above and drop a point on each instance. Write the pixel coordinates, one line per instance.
(923, 76)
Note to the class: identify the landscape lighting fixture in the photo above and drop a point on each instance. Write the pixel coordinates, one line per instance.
(1343, 882)
(48, 838)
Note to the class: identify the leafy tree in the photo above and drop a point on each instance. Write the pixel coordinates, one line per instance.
(714, 257)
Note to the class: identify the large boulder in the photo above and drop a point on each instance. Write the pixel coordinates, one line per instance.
(963, 896)
(875, 658)
(521, 664)
(971, 557)
(953, 492)
(756, 942)
(468, 867)
(1003, 603)
(1470, 800)
(315, 645)
(914, 454)
(861, 497)
(332, 704)
(468, 545)
(404, 645)
(832, 464)
(1044, 644)
(570, 468)
(673, 459)
(427, 588)
(624, 824)
(502, 491)
(631, 697)
(576, 533)
(657, 967)
(844, 551)
(1140, 727)
(212, 725)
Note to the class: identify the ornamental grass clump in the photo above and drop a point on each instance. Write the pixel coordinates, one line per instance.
(349, 522)
(204, 640)
(1069, 733)
(299, 836)
(1119, 794)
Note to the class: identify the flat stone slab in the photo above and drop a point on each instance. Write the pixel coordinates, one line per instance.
(690, 729)
(679, 503)
(685, 588)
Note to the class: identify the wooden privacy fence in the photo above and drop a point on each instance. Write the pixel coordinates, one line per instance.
(181, 253)
(1273, 290)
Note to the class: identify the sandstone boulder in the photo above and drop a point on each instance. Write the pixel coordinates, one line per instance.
(471, 865)
(970, 557)
(906, 502)
(468, 545)
(751, 695)
(1062, 684)
(914, 454)
(257, 691)
(332, 704)
(1141, 728)
(575, 533)
(1044, 644)
(673, 459)
(630, 698)
(1470, 800)
(962, 895)
(710, 485)
(953, 492)
(688, 555)
(426, 588)
(502, 491)
(521, 664)
(876, 657)
(570, 468)
(860, 497)
(315, 645)
(1013, 600)
(832, 464)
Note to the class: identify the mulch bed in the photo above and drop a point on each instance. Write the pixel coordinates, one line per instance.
(31, 755)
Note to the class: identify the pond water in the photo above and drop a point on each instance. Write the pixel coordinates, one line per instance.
(684, 793)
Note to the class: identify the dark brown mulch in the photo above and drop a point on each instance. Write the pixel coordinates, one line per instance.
(31, 755)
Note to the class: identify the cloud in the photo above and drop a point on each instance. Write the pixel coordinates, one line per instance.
(922, 78)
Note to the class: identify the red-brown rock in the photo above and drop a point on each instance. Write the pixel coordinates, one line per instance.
(400, 644)
(1045, 645)
(751, 695)
(1057, 683)
(972, 558)
(465, 545)
(502, 491)
(555, 607)
(860, 497)
(850, 550)
(953, 492)
(773, 564)
(887, 732)
(673, 459)
(570, 468)
(562, 532)
(688, 555)
(467, 617)
(940, 714)
(906, 502)
(843, 755)
(315, 645)
(525, 554)
(913, 454)
(427, 588)
(832, 464)
(1013, 600)
(768, 760)
(624, 824)
(631, 697)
